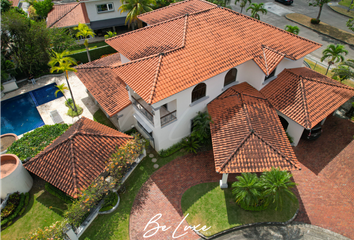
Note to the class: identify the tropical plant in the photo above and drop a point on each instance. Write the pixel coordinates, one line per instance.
(334, 52)
(162, 3)
(110, 34)
(247, 190)
(135, 8)
(276, 184)
(68, 102)
(73, 113)
(320, 4)
(6, 5)
(345, 70)
(292, 29)
(32, 12)
(190, 144)
(255, 9)
(61, 62)
(350, 24)
(85, 31)
(243, 3)
(201, 127)
(61, 88)
(43, 7)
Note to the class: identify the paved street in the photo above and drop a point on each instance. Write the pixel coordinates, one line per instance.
(275, 17)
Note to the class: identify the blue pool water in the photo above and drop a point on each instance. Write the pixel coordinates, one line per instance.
(19, 114)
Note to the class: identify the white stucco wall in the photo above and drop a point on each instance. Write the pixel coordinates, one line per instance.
(294, 129)
(123, 58)
(95, 16)
(126, 121)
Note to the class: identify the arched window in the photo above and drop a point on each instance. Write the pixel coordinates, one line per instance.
(284, 123)
(198, 92)
(230, 76)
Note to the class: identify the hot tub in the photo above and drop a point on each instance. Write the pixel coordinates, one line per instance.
(13, 176)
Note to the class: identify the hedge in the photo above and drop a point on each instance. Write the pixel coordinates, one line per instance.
(24, 199)
(95, 53)
(33, 142)
(58, 193)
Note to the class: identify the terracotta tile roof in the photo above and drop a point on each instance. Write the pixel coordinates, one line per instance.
(175, 10)
(104, 85)
(67, 15)
(247, 134)
(78, 156)
(197, 47)
(306, 96)
(15, 3)
(269, 61)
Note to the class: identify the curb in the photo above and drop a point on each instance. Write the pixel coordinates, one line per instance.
(247, 226)
(330, 6)
(319, 31)
(113, 208)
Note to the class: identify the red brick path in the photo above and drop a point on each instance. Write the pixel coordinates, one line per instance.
(324, 199)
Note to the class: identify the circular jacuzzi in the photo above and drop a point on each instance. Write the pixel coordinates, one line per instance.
(13, 176)
(6, 141)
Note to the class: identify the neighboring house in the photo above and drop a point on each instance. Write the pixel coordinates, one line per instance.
(191, 53)
(100, 15)
(76, 158)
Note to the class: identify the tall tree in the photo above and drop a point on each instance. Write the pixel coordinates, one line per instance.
(335, 53)
(277, 185)
(84, 31)
(61, 39)
(6, 5)
(320, 4)
(255, 9)
(243, 3)
(43, 7)
(60, 62)
(345, 70)
(135, 8)
(292, 29)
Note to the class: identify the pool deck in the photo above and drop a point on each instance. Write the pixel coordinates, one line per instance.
(79, 91)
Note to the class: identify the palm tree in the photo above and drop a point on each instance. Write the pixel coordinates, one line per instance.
(61, 62)
(345, 70)
(247, 189)
(335, 53)
(255, 8)
(61, 88)
(292, 29)
(277, 184)
(85, 31)
(110, 34)
(243, 3)
(135, 8)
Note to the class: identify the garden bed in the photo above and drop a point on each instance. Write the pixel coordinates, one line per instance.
(207, 204)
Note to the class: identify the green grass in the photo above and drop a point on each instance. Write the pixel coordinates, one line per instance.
(115, 226)
(100, 117)
(81, 48)
(343, 11)
(322, 70)
(209, 205)
(43, 210)
(345, 3)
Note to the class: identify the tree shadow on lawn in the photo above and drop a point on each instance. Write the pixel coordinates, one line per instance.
(316, 155)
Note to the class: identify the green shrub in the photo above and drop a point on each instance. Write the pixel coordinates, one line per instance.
(12, 203)
(58, 193)
(190, 144)
(9, 219)
(171, 150)
(109, 202)
(72, 113)
(33, 142)
(95, 53)
(315, 21)
(69, 101)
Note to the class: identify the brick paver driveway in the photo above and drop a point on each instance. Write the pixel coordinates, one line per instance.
(325, 186)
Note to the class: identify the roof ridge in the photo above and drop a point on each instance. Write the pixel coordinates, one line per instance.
(263, 98)
(73, 168)
(235, 150)
(185, 30)
(328, 83)
(102, 134)
(246, 112)
(304, 100)
(172, 5)
(155, 78)
(64, 14)
(265, 60)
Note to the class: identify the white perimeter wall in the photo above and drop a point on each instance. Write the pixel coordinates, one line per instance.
(126, 121)
(95, 16)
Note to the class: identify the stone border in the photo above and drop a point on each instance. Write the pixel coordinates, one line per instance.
(113, 208)
(247, 226)
(318, 31)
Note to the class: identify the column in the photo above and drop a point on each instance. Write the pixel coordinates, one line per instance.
(223, 181)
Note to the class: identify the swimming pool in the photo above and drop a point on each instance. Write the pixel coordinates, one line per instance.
(20, 115)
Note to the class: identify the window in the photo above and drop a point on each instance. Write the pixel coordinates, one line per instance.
(107, 7)
(198, 92)
(284, 123)
(270, 75)
(230, 76)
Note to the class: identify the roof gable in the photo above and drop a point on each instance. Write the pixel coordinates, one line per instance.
(66, 15)
(306, 100)
(247, 134)
(77, 157)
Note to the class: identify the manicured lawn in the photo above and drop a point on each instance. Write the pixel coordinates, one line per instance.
(81, 48)
(100, 117)
(116, 225)
(345, 2)
(322, 70)
(209, 205)
(343, 11)
(43, 210)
